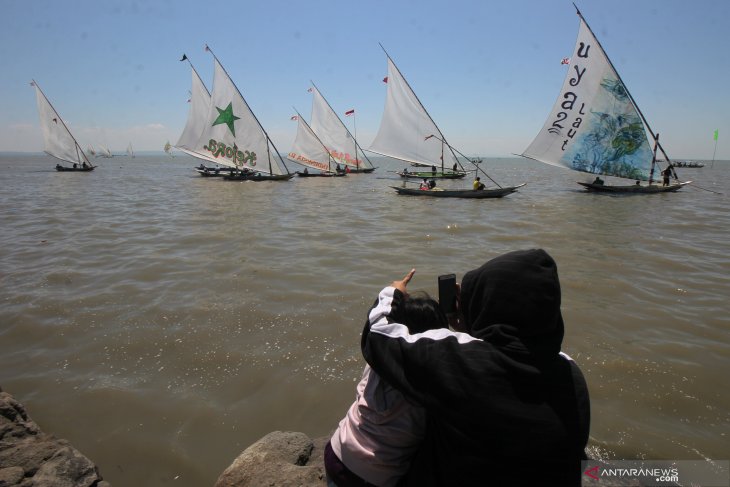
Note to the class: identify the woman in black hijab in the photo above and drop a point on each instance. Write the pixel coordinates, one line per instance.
(505, 406)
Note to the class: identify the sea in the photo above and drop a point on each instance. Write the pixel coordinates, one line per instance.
(162, 322)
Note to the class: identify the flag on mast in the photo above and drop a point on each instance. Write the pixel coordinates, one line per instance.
(715, 135)
(350, 112)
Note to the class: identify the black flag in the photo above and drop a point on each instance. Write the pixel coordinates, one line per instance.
(184, 57)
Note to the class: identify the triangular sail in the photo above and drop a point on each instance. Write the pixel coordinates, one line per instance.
(406, 125)
(232, 135)
(57, 139)
(130, 151)
(334, 134)
(197, 114)
(594, 126)
(308, 149)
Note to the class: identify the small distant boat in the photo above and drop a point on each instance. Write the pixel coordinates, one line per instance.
(596, 127)
(457, 193)
(130, 151)
(688, 164)
(104, 152)
(336, 137)
(57, 138)
(168, 149)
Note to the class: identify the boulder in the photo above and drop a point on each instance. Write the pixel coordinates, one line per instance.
(282, 459)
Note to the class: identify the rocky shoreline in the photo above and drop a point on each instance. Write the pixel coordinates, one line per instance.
(31, 458)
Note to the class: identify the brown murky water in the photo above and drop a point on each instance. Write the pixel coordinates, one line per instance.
(162, 322)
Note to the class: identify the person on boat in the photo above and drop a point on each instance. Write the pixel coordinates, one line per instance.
(347, 169)
(666, 174)
(478, 184)
(306, 171)
(84, 165)
(76, 166)
(405, 171)
(455, 168)
(432, 184)
(638, 183)
(338, 168)
(598, 180)
(433, 170)
(424, 184)
(498, 391)
(375, 441)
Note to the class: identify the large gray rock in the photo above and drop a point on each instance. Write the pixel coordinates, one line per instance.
(29, 457)
(282, 459)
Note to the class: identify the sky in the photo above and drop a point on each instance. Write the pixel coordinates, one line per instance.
(488, 72)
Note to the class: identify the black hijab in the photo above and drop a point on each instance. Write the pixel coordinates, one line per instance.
(513, 302)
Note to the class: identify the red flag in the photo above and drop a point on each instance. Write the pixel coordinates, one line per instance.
(566, 60)
(294, 117)
(385, 80)
(350, 112)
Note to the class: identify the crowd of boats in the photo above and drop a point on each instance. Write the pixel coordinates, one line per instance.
(594, 127)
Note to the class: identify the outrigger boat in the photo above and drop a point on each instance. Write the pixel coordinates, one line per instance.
(457, 193)
(309, 151)
(596, 126)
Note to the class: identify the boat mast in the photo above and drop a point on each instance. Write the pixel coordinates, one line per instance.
(425, 111)
(354, 137)
(58, 117)
(252, 113)
(633, 102)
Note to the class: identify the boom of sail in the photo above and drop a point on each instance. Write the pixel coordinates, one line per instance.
(335, 136)
(595, 125)
(407, 132)
(57, 138)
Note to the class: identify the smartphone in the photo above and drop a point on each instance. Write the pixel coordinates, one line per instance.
(447, 293)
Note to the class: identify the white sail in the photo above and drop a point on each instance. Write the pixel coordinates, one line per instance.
(406, 125)
(197, 114)
(232, 136)
(105, 152)
(57, 139)
(90, 150)
(594, 127)
(130, 151)
(308, 150)
(334, 134)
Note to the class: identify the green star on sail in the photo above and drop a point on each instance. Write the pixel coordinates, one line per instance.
(227, 117)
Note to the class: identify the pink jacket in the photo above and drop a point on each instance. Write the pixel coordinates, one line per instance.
(380, 433)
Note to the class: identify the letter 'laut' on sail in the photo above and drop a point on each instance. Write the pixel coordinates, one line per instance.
(595, 125)
(197, 114)
(232, 135)
(57, 138)
(334, 134)
(308, 149)
(406, 126)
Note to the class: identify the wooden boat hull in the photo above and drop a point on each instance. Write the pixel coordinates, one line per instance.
(458, 193)
(431, 175)
(214, 172)
(320, 174)
(61, 168)
(366, 170)
(258, 177)
(633, 188)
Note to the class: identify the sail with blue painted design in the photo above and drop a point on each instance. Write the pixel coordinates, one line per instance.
(594, 126)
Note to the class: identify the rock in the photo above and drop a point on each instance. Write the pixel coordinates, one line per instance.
(29, 457)
(282, 459)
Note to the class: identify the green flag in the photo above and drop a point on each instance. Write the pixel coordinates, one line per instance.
(715, 137)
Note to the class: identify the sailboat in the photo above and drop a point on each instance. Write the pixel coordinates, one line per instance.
(596, 126)
(105, 152)
(408, 133)
(309, 151)
(168, 149)
(90, 150)
(333, 133)
(232, 135)
(130, 151)
(195, 124)
(57, 138)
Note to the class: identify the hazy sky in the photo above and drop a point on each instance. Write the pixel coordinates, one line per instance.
(488, 72)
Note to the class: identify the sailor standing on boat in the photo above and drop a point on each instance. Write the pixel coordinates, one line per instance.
(666, 174)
